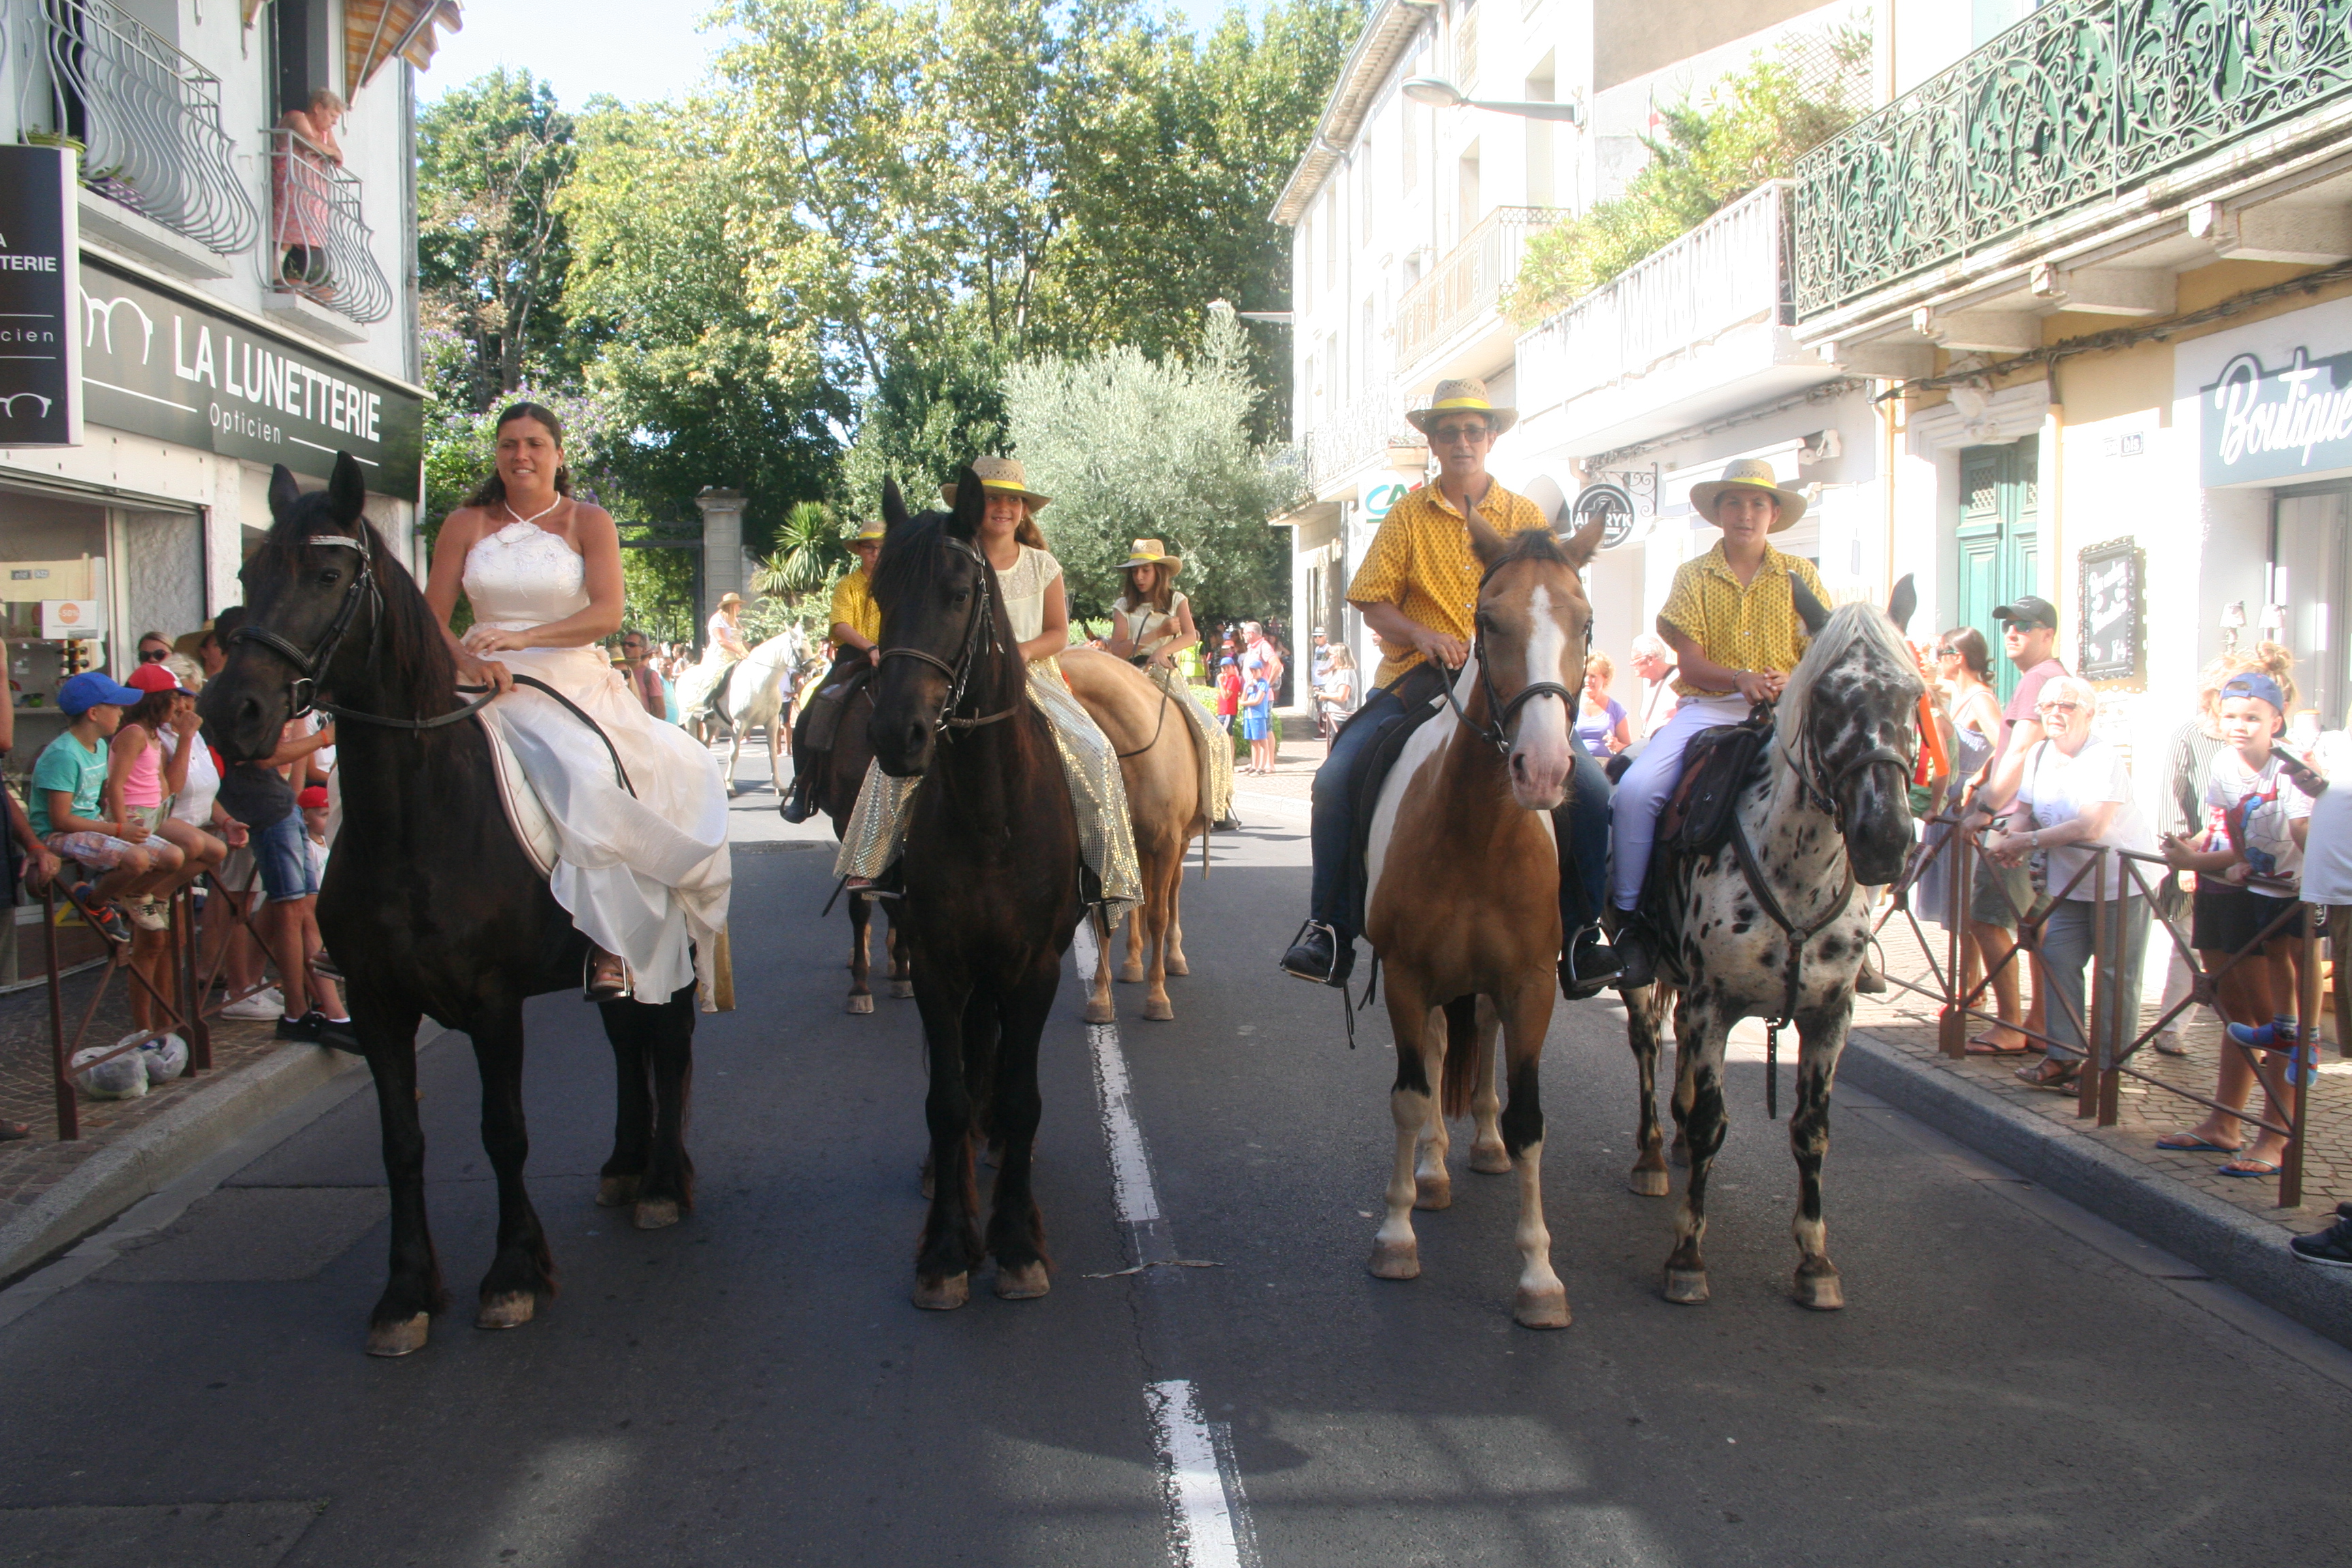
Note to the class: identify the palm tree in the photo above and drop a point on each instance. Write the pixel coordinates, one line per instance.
(808, 553)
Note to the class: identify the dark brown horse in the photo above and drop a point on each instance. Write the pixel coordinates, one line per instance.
(845, 771)
(991, 882)
(431, 906)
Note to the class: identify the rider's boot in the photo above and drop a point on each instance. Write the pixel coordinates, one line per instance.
(1588, 965)
(798, 806)
(1316, 953)
(1637, 961)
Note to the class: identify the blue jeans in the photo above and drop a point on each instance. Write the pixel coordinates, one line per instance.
(1583, 827)
(284, 857)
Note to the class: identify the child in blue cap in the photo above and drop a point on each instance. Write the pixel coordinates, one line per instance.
(67, 782)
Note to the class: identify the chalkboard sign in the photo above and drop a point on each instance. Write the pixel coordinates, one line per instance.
(2112, 618)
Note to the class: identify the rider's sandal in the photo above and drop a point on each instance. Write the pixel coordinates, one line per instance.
(2051, 1073)
(608, 977)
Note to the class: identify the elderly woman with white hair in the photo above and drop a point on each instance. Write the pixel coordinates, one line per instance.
(2072, 793)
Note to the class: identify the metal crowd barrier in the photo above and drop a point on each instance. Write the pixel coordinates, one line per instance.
(2110, 1040)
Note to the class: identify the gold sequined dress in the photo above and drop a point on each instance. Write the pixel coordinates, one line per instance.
(1146, 629)
(878, 828)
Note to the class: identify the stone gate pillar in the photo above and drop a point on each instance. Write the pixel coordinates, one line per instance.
(722, 549)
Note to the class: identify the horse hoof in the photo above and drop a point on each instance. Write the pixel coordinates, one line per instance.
(404, 1338)
(1160, 1010)
(655, 1214)
(1100, 1013)
(1650, 1180)
(944, 1295)
(1024, 1283)
(1822, 1292)
(1432, 1192)
(1686, 1287)
(1540, 1309)
(614, 1191)
(1396, 1260)
(511, 1310)
(902, 991)
(1131, 973)
(1490, 1159)
(860, 1003)
(1176, 965)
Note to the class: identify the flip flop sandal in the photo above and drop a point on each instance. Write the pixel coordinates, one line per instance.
(1982, 1045)
(10, 1132)
(2251, 1168)
(2190, 1144)
(2048, 1075)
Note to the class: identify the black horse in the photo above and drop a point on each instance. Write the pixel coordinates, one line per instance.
(990, 876)
(431, 905)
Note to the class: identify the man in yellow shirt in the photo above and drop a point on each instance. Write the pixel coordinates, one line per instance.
(1731, 620)
(1418, 590)
(855, 629)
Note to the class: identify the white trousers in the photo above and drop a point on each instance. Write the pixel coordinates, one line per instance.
(1641, 793)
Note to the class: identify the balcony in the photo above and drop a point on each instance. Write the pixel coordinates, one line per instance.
(1461, 294)
(1697, 329)
(320, 252)
(148, 118)
(2082, 103)
(1356, 433)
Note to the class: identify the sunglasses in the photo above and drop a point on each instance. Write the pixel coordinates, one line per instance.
(154, 655)
(1948, 652)
(1452, 433)
(2057, 706)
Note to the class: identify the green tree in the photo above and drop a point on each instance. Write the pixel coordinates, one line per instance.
(1131, 448)
(809, 553)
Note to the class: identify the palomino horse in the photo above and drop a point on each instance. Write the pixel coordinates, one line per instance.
(1775, 923)
(845, 771)
(430, 904)
(1463, 902)
(752, 695)
(1160, 759)
(991, 870)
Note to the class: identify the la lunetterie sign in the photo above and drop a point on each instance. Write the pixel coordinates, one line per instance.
(40, 389)
(2264, 425)
(162, 365)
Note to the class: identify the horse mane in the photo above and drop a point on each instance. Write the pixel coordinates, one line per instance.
(413, 667)
(1856, 633)
(906, 550)
(1531, 544)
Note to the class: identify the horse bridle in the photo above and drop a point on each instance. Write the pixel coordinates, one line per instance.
(1496, 731)
(983, 622)
(302, 690)
(1824, 794)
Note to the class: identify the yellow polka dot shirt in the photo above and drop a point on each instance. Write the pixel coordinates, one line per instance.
(854, 606)
(1751, 627)
(1421, 562)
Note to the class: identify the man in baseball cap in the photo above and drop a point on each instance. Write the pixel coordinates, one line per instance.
(2027, 610)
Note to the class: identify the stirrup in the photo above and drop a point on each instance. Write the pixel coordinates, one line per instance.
(612, 987)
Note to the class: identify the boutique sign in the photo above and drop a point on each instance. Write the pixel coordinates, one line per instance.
(40, 393)
(163, 366)
(2271, 424)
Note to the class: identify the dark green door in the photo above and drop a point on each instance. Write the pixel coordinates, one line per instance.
(1998, 558)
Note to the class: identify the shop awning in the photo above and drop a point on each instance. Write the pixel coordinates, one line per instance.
(377, 32)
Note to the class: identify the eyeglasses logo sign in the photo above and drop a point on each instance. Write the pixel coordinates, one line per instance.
(8, 404)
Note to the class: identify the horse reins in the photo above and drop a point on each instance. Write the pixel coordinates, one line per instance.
(959, 674)
(1164, 702)
(1495, 730)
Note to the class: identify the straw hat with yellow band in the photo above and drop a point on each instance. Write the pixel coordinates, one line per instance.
(1149, 552)
(1467, 395)
(866, 533)
(1749, 473)
(999, 476)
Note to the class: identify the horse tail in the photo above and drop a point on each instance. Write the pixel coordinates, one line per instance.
(1461, 1074)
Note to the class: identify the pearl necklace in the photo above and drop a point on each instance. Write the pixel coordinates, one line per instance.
(534, 517)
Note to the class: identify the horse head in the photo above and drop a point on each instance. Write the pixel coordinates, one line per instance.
(944, 630)
(1533, 628)
(1848, 725)
(306, 589)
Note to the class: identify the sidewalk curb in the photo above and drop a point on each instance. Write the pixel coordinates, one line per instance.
(175, 1143)
(2224, 1241)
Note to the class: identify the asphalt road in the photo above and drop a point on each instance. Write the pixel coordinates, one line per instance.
(2012, 1382)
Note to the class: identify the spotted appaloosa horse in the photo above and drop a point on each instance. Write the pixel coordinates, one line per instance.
(1463, 902)
(1828, 818)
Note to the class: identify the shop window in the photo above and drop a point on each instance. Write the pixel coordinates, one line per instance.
(53, 581)
(2309, 582)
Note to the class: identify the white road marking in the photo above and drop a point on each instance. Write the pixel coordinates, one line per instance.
(1208, 1519)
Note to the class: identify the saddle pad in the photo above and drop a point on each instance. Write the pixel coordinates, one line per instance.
(533, 828)
(1716, 767)
(1423, 702)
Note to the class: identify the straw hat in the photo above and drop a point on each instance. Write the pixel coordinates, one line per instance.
(1751, 473)
(1149, 552)
(1003, 475)
(730, 597)
(1455, 397)
(868, 533)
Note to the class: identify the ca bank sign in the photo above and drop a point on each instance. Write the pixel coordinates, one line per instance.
(1379, 498)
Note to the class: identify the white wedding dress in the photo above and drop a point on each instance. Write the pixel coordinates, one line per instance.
(644, 875)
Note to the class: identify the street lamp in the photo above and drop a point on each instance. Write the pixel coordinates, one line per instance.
(1439, 93)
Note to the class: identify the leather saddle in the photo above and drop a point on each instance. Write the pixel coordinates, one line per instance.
(1718, 765)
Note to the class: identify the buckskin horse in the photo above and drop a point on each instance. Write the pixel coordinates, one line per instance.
(991, 873)
(1463, 901)
(431, 906)
(1770, 922)
(1160, 762)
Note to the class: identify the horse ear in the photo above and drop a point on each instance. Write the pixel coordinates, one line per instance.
(894, 507)
(970, 505)
(347, 491)
(1582, 545)
(283, 492)
(1809, 610)
(1903, 603)
(1485, 543)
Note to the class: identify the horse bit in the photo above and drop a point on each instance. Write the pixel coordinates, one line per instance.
(959, 674)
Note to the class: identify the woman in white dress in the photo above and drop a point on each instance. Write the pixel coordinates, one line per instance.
(1030, 580)
(1151, 624)
(644, 870)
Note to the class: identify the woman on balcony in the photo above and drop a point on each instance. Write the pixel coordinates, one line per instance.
(303, 160)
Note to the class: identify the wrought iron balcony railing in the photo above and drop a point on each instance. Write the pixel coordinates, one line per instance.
(1467, 282)
(1728, 272)
(1354, 433)
(2082, 100)
(147, 116)
(320, 247)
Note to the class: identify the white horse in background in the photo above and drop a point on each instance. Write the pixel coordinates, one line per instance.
(751, 693)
